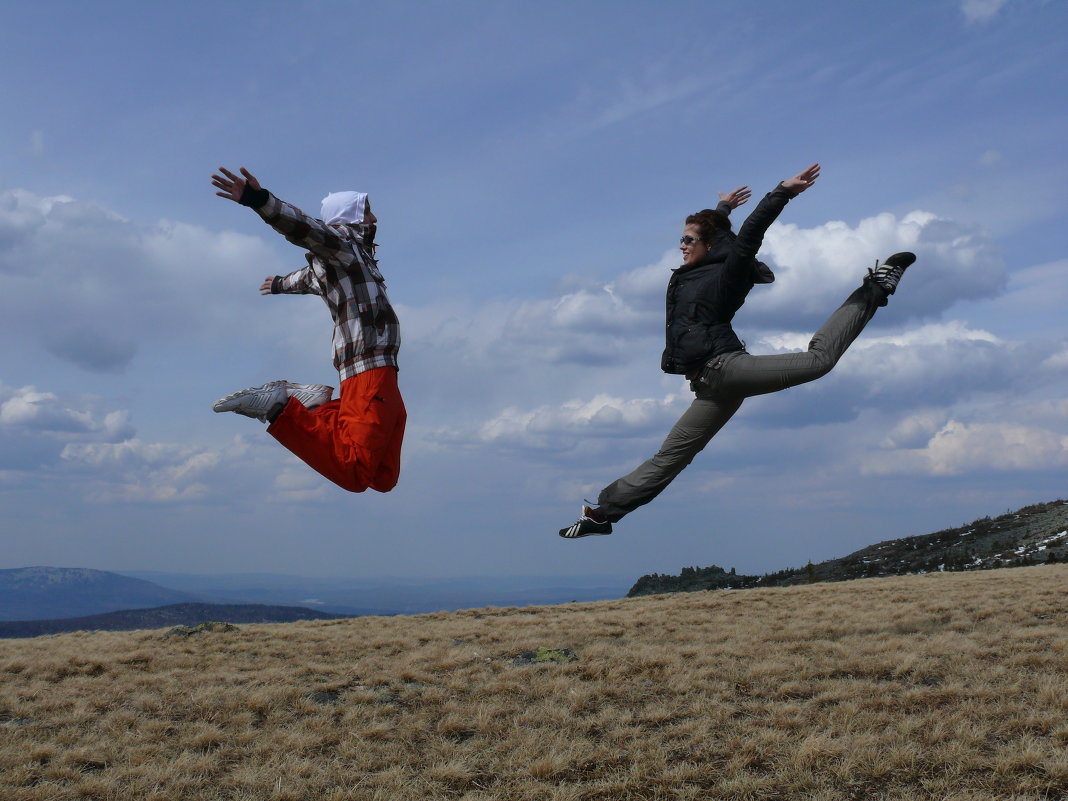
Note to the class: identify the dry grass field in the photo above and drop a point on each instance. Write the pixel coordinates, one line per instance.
(947, 686)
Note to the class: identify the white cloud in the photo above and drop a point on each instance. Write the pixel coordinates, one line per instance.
(1058, 361)
(981, 10)
(135, 471)
(93, 451)
(959, 448)
(28, 409)
(937, 365)
(916, 430)
(817, 267)
(91, 287)
(561, 427)
(298, 486)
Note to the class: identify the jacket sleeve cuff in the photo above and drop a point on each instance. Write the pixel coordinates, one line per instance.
(276, 285)
(784, 191)
(254, 198)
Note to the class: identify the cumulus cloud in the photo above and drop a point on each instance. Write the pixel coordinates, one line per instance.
(959, 448)
(561, 427)
(90, 287)
(916, 430)
(135, 471)
(31, 410)
(92, 451)
(933, 365)
(817, 267)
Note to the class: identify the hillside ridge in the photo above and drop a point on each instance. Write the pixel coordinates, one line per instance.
(1035, 534)
(185, 614)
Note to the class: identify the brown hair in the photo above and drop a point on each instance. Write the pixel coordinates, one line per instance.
(708, 221)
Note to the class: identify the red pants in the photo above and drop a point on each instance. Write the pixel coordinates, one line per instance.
(355, 440)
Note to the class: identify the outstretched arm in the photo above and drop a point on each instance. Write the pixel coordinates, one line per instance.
(299, 228)
(243, 189)
(802, 181)
(751, 234)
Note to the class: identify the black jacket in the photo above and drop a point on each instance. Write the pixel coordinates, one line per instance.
(702, 299)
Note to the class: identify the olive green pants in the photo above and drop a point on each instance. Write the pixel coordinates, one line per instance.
(721, 387)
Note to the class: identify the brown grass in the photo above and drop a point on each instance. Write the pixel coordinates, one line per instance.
(950, 686)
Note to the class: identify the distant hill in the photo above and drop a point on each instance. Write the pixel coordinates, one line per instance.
(1032, 535)
(390, 595)
(173, 615)
(42, 593)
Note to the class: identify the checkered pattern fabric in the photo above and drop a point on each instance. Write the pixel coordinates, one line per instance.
(343, 271)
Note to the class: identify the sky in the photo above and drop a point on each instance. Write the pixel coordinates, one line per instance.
(531, 166)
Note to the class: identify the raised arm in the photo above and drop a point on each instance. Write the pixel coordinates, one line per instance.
(802, 181)
(751, 234)
(296, 226)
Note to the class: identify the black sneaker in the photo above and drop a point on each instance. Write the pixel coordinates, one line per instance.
(586, 526)
(888, 274)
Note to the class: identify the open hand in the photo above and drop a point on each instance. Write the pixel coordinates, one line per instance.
(265, 287)
(803, 180)
(233, 186)
(736, 198)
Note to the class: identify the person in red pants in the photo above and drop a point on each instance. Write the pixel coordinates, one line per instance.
(355, 440)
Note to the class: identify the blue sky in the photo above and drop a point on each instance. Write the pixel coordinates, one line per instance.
(531, 165)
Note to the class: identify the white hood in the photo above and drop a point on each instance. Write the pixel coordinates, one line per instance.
(344, 207)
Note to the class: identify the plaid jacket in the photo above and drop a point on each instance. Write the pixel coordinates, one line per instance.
(343, 271)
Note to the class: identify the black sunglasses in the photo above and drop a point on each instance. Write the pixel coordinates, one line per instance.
(689, 240)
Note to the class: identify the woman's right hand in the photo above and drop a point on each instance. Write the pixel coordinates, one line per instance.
(802, 181)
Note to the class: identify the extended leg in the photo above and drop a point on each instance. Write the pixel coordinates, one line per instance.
(744, 375)
(690, 434)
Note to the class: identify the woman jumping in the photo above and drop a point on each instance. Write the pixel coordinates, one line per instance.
(718, 270)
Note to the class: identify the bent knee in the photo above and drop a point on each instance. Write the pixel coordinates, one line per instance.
(822, 363)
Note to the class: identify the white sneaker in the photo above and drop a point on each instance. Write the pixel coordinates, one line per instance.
(310, 395)
(258, 402)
